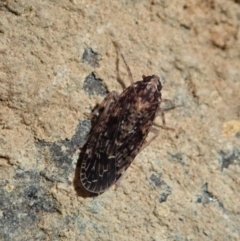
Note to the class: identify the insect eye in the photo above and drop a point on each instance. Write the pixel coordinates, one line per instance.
(157, 81)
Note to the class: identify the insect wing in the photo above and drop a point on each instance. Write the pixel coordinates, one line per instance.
(98, 166)
(135, 122)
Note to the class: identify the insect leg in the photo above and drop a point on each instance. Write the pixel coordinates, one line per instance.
(168, 105)
(155, 132)
(105, 104)
(160, 111)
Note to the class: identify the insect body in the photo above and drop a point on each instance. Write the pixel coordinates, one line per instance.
(119, 134)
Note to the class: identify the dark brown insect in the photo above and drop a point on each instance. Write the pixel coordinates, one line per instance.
(120, 133)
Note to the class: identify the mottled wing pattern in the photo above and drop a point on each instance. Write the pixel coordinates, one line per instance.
(136, 119)
(117, 137)
(98, 167)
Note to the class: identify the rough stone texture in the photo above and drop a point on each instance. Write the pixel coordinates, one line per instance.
(186, 184)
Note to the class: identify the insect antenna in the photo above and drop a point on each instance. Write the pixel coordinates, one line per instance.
(125, 62)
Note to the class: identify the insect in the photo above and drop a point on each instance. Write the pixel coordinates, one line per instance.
(120, 132)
